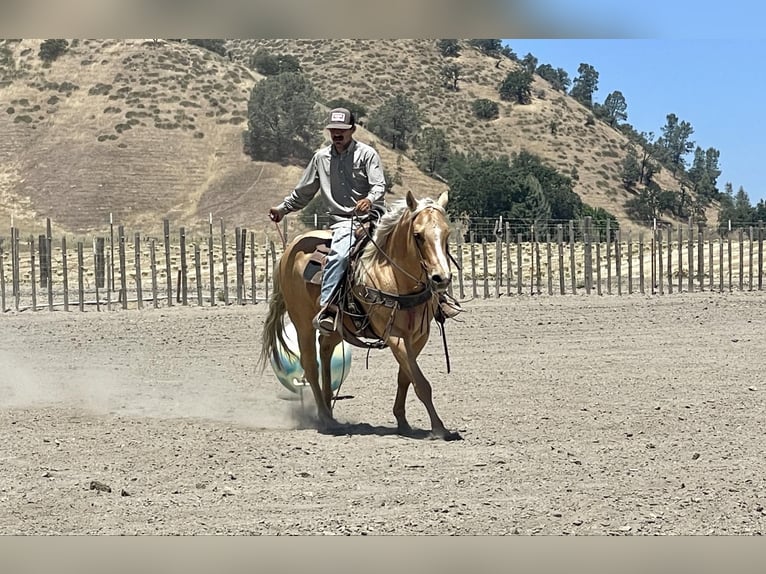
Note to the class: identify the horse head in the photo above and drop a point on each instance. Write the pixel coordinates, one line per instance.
(430, 232)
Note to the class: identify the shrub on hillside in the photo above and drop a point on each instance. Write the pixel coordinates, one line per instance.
(485, 109)
(52, 49)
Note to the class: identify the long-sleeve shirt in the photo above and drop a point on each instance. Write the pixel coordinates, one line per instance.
(342, 178)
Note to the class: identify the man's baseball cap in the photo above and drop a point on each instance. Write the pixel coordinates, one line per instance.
(340, 119)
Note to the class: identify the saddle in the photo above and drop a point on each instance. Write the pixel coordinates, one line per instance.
(353, 320)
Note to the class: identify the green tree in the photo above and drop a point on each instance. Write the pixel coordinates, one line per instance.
(217, 46)
(556, 77)
(614, 108)
(283, 122)
(485, 109)
(396, 120)
(451, 74)
(272, 64)
(631, 168)
(585, 85)
(448, 48)
(516, 87)
(651, 203)
(529, 63)
(703, 173)
(52, 49)
(490, 47)
(743, 210)
(432, 150)
(674, 143)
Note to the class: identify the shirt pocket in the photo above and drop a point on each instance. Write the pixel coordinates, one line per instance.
(359, 174)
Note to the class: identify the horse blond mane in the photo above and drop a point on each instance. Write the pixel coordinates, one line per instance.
(386, 226)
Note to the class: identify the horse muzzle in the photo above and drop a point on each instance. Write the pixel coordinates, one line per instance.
(438, 282)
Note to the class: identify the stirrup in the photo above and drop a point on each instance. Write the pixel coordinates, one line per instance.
(326, 321)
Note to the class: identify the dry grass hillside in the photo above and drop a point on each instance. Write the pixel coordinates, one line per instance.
(147, 129)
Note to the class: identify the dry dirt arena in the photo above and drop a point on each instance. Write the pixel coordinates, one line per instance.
(580, 415)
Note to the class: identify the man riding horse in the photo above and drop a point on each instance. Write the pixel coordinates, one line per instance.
(349, 176)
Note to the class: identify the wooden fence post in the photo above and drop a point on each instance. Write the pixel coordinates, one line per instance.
(2, 282)
(598, 265)
(484, 266)
(508, 265)
(65, 277)
(80, 269)
(49, 261)
(760, 255)
(95, 273)
(253, 278)
(608, 258)
(630, 261)
(168, 273)
(670, 260)
(184, 269)
(31, 245)
(548, 261)
(224, 260)
(660, 274)
(560, 242)
(472, 239)
(690, 255)
(710, 259)
(498, 264)
(618, 259)
(641, 278)
(700, 257)
(153, 267)
(588, 255)
(741, 240)
(460, 261)
(111, 250)
(750, 258)
(198, 273)
(519, 272)
(16, 268)
(123, 278)
(572, 266)
(211, 260)
(139, 287)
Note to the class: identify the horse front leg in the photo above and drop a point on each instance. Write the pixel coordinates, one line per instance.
(406, 356)
(403, 380)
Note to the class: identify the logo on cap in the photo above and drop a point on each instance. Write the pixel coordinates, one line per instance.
(338, 117)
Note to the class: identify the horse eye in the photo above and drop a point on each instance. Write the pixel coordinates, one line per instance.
(418, 237)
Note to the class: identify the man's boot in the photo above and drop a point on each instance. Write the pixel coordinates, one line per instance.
(449, 306)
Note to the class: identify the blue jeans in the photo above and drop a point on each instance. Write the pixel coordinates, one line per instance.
(343, 241)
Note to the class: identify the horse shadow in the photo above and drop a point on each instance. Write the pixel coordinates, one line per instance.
(366, 429)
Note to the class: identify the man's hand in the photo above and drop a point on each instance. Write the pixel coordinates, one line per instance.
(274, 215)
(363, 205)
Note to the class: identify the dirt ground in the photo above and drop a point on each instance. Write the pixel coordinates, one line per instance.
(579, 415)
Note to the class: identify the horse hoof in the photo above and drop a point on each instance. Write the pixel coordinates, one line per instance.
(445, 435)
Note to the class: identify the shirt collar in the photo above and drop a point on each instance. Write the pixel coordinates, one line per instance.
(348, 150)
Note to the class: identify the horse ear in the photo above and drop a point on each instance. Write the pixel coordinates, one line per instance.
(412, 203)
(443, 198)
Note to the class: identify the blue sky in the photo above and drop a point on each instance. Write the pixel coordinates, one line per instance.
(700, 61)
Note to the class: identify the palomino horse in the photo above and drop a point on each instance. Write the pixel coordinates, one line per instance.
(397, 281)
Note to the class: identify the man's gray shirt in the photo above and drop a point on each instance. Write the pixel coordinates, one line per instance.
(343, 179)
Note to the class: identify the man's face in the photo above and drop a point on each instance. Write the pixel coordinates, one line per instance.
(341, 138)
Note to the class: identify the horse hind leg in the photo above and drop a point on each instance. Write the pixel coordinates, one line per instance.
(327, 344)
(307, 344)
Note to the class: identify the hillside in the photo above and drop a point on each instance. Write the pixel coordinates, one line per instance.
(147, 129)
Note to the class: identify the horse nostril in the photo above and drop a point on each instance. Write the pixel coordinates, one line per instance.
(440, 280)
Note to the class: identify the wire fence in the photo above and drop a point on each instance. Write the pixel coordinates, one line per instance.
(222, 266)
